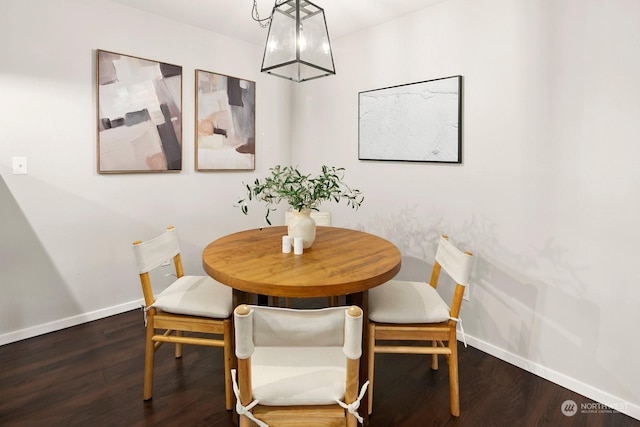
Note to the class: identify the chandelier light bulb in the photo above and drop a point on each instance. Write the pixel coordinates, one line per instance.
(326, 47)
(302, 42)
(272, 44)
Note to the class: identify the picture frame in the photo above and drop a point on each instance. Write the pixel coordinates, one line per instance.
(139, 114)
(225, 122)
(414, 122)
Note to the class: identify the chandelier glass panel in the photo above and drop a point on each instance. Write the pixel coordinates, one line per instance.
(297, 46)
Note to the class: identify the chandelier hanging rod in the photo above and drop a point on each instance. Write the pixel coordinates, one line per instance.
(264, 22)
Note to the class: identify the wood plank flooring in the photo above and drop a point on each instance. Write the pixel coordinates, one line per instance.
(91, 375)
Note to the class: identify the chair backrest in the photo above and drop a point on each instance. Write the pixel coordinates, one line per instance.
(322, 218)
(257, 326)
(306, 360)
(457, 265)
(153, 253)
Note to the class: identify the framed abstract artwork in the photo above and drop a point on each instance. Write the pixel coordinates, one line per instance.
(225, 122)
(416, 122)
(139, 114)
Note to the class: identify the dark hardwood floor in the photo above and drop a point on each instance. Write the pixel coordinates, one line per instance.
(91, 375)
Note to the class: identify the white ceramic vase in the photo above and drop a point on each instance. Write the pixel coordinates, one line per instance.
(302, 225)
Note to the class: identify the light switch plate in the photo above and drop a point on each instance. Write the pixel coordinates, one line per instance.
(19, 165)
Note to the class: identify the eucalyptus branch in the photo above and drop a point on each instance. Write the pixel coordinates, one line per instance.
(286, 183)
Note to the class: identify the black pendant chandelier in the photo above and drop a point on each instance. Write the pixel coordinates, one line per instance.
(297, 46)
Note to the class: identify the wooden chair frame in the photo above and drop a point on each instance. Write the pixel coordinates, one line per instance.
(442, 339)
(162, 327)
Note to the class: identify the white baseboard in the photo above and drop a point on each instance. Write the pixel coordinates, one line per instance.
(572, 384)
(57, 325)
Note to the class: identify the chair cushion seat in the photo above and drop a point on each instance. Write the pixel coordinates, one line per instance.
(286, 376)
(399, 301)
(196, 296)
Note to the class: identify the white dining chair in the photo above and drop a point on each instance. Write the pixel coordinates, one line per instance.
(402, 310)
(298, 367)
(191, 304)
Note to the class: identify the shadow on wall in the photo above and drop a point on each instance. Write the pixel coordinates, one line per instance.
(32, 286)
(538, 296)
(417, 236)
(414, 236)
(83, 244)
(75, 250)
(526, 303)
(547, 322)
(414, 269)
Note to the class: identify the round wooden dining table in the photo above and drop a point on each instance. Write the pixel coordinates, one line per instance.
(341, 262)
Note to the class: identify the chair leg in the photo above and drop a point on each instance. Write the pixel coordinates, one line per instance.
(371, 355)
(351, 392)
(246, 422)
(244, 385)
(149, 356)
(228, 365)
(179, 345)
(434, 357)
(454, 392)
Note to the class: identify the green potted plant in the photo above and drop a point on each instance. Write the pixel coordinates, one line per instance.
(303, 193)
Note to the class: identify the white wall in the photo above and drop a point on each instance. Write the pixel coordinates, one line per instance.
(547, 195)
(65, 231)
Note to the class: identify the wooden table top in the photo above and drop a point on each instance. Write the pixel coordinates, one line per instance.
(340, 262)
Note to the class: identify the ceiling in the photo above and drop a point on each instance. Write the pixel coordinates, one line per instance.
(233, 17)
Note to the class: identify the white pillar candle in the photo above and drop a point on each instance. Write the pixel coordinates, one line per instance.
(286, 244)
(297, 245)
